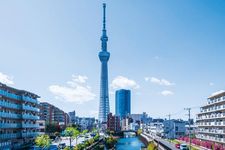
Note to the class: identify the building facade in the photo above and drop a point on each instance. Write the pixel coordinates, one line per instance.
(141, 118)
(18, 117)
(123, 103)
(41, 124)
(156, 127)
(125, 124)
(72, 117)
(113, 122)
(52, 114)
(104, 57)
(86, 123)
(174, 128)
(211, 119)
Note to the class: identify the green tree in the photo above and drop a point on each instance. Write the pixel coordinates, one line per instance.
(110, 142)
(43, 141)
(51, 128)
(84, 132)
(72, 133)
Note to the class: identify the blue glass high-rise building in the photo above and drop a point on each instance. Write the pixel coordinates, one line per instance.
(104, 57)
(123, 103)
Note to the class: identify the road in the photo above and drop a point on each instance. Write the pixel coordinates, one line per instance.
(160, 140)
(66, 140)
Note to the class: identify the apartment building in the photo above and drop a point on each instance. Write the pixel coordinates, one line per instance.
(86, 122)
(113, 122)
(18, 117)
(211, 119)
(52, 114)
(72, 117)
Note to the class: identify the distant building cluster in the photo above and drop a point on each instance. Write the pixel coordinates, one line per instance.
(23, 117)
(52, 114)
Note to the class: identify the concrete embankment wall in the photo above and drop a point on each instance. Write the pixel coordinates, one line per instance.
(144, 140)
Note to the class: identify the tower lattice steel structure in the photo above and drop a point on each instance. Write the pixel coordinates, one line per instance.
(104, 57)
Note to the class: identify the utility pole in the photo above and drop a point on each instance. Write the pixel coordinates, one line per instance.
(189, 122)
(168, 134)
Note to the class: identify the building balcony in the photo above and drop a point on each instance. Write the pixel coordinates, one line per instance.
(32, 117)
(10, 125)
(10, 95)
(29, 134)
(211, 138)
(30, 108)
(217, 124)
(211, 131)
(10, 115)
(29, 99)
(9, 105)
(30, 125)
(215, 109)
(216, 116)
(10, 136)
(216, 101)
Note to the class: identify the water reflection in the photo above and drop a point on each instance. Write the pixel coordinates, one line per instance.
(129, 143)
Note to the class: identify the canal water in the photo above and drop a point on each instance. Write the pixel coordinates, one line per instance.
(129, 143)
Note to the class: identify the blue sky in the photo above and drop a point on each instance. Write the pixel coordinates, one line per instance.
(169, 53)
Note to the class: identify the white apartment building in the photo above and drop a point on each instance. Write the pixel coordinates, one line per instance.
(125, 125)
(211, 120)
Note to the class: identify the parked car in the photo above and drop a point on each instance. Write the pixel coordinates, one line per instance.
(184, 147)
(177, 146)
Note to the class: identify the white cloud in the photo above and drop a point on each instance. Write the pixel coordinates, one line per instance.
(211, 84)
(6, 79)
(158, 81)
(77, 80)
(218, 92)
(123, 82)
(76, 90)
(147, 78)
(166, 93)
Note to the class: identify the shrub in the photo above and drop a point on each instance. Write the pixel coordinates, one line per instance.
(96, 137)
(91, 141)
(110, 142)
(139, 131)
(152, 146)
(79, 147)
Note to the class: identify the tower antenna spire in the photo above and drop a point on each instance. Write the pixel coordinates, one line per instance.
(104, 37)
(104, 6)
